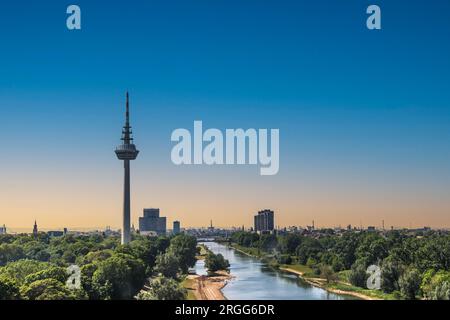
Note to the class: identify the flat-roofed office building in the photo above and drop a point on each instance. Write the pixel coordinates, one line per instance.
(151, 221)
(264, 220)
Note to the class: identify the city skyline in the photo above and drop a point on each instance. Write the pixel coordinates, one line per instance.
(364, 116)
(381, 225)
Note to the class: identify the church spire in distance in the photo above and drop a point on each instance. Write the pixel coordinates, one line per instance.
(35, 229)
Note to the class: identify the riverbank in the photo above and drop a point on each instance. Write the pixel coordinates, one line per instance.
(206, 287)
(201, 287)
(244, 250)
(321, 283)
(340, 287)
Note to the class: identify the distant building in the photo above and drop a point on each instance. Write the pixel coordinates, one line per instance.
(3, 230)
(148, 233)
(55, 233)
(176, 227)
(109, 232)
(35, 229)
(311, 227)
(264, 221)
(151, 221)
(371, 228)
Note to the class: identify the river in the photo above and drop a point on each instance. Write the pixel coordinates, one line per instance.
(255, 280)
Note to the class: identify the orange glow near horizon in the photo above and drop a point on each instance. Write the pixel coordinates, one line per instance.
(66, 200)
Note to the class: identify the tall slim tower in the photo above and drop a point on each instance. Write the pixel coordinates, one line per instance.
(126, 151)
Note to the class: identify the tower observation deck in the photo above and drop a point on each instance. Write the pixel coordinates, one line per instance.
(126, 151)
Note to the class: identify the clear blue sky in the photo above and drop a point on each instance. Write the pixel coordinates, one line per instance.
(372, 107)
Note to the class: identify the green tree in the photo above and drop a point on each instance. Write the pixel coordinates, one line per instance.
(441, 291)
(311, 262)
(94, 293)
(283, 259)
(246, 239)
(167, 264)
(373, 248)
(94, 256)
(288, 243)
(162, 243)
(162, 289)
(69, 257)
(57, 273)
(409, 283)
(267, 242)
(47, 289)
(123, 274)
(435, 285)
(146, 250)
(309, 248)
(391, 270)
(216, 262)
(35, 250)
(10, 252)
(185, 248)
(8, 289)
(433, 254)
(337, 263)
(345, 248)
(358, 275)
(19, 270)
(326, 272)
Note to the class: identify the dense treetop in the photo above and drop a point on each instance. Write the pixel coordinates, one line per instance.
(413, 264)
(36, 268)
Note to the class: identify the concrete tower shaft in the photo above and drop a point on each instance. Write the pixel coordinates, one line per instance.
(126, 151)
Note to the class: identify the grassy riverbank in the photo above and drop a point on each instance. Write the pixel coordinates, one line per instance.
(254, 252)
(344, 288)
(340, 286)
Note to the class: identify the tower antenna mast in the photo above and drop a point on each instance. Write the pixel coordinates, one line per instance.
(126, 151)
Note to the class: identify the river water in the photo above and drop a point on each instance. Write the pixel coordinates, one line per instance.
(255, 280)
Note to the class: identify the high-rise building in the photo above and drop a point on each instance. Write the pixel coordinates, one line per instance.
(176, 227)
(126, 151)
(264, 221)
(151, 221)
(3, 230)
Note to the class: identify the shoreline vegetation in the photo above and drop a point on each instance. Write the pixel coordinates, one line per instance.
(305, 273)
(37, 266)
(320, 283)
(209, 287)
(206, 287)
(408, 264)
(413, 264)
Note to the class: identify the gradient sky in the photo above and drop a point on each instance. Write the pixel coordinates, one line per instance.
(364, 116)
